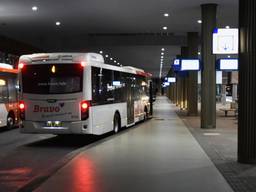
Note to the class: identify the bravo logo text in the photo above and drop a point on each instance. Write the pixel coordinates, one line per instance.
(48, 109)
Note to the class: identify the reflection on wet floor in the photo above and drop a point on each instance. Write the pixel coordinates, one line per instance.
(26, 161)
(14, 177)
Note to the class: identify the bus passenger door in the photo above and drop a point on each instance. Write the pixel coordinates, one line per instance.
(130, 100)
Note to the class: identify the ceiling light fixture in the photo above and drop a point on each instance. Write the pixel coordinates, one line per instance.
(199, 21)
(111, 59)
(106, 56)
(199, 53)
(101, 52)
(114, 61)
(162, 53)
(165, 28)
(58, 23)
(34, 8)
(227, 27)
(166, 14)
(162, 49)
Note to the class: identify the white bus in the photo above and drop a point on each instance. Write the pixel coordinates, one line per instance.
(76, 93)
(8, 96)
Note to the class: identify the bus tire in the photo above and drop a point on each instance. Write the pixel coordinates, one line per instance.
(116, 123)
(10, 121)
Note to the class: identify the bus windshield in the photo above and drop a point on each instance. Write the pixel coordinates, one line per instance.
(52, 78)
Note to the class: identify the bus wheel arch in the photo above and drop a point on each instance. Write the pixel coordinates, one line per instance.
(10, 120)
(116, 122)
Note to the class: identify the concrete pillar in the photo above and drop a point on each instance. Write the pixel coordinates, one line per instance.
(223, 94)
(184, 54)
(172, 92)
(175, 92)
(247, 82)
(178, 88)
(192, 78)
(234, 92)
(208, 93)
(181, 84)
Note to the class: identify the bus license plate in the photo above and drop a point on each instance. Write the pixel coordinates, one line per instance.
(54, 124)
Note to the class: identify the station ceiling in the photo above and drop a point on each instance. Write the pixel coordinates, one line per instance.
(79, 18)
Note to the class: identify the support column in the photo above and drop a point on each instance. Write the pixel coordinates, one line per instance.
(247, 82)
(234, 92)
(192, 79)
(208, 95)
(184, 55)
(175, 91)
(223, 94)
(178, 87)
(178, 91)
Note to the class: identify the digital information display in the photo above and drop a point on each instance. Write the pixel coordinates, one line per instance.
(116, 83)
(225, 41)
(228, 64)
(190, 65)
(171, 79)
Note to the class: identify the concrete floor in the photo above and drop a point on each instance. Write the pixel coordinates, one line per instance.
(158, 155)
(220, 144)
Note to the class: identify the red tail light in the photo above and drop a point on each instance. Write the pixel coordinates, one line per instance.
(85, 105)
(83, 64)
(21, 105)
(22, 110)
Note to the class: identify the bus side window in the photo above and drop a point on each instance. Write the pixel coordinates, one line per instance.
(119, 87)
(102, 88)
(96, 85)
(12, 90)
(3, 91)
(107, 81)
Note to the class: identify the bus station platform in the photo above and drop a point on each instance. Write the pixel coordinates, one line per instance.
(158, 155)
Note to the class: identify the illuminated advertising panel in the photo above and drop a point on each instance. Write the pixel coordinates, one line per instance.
(228, 64)
(190, 65)
(171, 79)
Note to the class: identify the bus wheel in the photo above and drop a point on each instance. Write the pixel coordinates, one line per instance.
(10, 121)
(116, 125)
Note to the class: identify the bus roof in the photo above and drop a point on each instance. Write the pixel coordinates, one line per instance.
(71, 57)
(93, 59)
(4, 67)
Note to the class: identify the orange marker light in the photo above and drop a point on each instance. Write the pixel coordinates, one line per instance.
(53, 69)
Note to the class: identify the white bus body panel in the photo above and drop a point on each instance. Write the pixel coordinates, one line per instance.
(3, 115)
(103, 115)
(66, 109)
